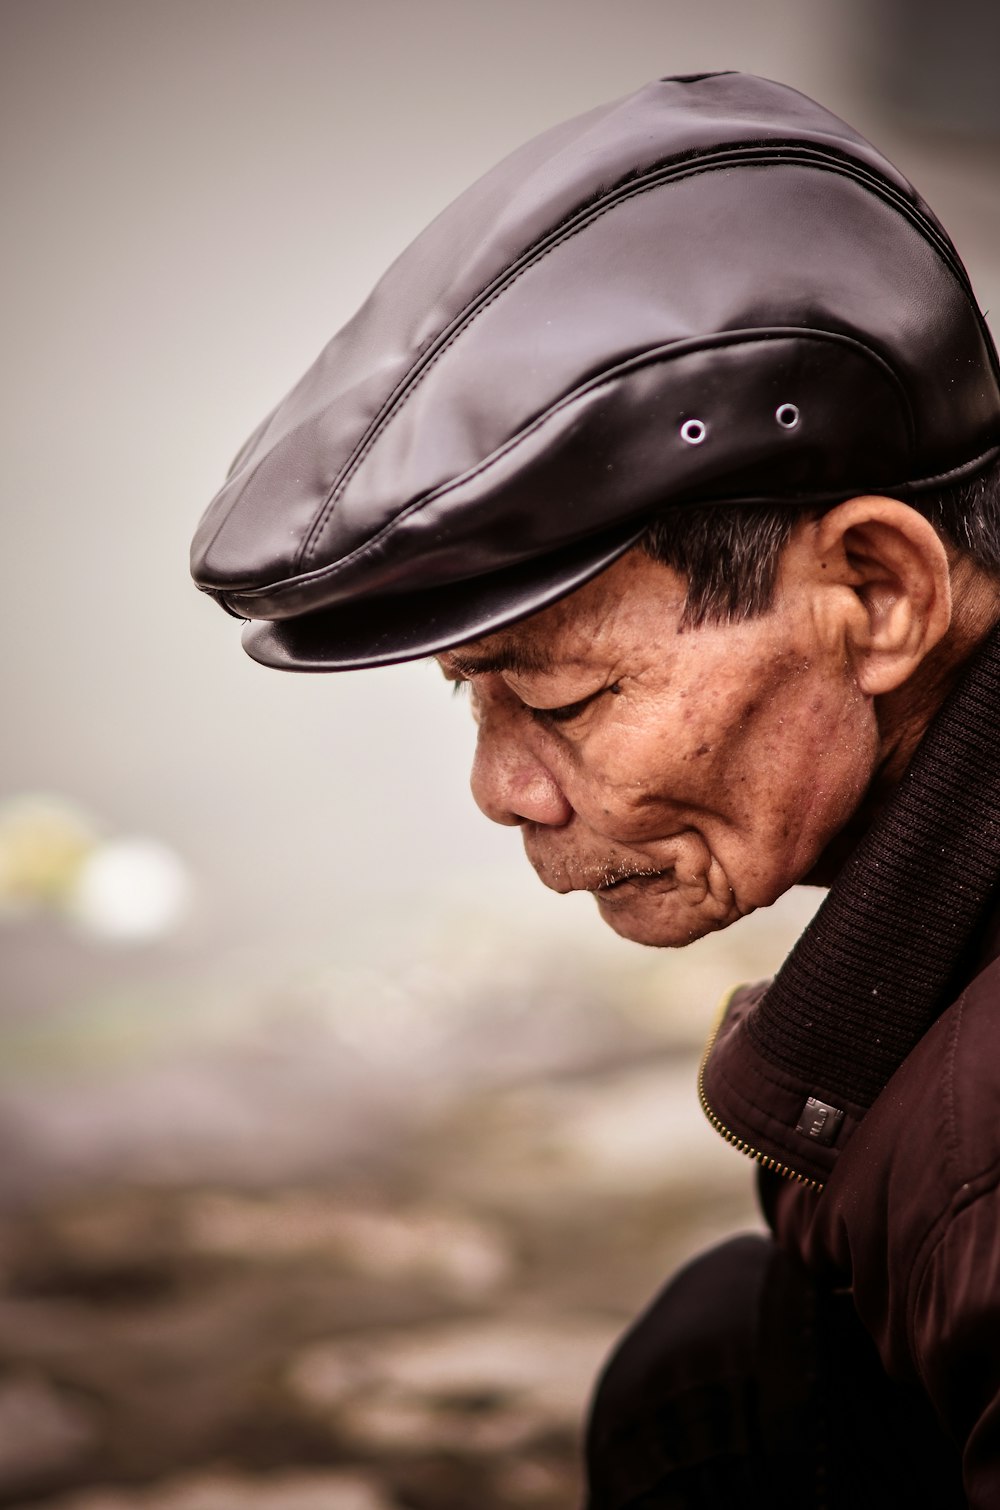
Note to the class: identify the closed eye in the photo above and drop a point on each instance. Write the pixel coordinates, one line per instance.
(564, 713)
(568, 711)
(560, 715)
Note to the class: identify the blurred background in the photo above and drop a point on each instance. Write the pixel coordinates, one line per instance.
(335, 1151)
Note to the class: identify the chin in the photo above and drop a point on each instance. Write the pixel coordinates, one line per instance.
(654, 930)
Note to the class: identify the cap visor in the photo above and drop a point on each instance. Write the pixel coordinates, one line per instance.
(408, 626)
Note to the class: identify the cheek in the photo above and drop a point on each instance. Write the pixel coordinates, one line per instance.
(840, 760)
(833, 737)
(814, 725)
(798, 779)
(766, 773)
(636, 778)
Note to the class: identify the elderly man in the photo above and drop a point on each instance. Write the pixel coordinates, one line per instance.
(675, 440)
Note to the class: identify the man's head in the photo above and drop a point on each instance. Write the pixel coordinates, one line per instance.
(619, 413)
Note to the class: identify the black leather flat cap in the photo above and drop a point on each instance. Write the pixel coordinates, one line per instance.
(711, 291)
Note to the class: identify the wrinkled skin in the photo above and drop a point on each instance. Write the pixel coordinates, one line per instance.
(684, 776)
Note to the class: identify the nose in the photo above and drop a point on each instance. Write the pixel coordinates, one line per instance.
(510, 782)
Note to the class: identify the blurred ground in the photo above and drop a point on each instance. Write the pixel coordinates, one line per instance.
(426, 1328)
(362, 1244)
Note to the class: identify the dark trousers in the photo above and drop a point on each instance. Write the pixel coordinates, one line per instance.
(745, 1385)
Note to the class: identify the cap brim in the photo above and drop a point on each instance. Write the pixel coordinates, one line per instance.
(408, 626)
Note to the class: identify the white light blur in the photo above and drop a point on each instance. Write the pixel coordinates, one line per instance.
(130, 890)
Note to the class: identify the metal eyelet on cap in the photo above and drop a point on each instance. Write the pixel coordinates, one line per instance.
(787, 416)
(694, 431)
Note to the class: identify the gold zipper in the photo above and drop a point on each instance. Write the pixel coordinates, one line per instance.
(740, 1144)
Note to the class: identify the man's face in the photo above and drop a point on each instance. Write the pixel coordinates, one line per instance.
(684, 776)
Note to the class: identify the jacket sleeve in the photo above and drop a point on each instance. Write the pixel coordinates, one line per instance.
(955, 1337)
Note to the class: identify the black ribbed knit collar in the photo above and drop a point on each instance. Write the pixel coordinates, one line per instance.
(795, 1066)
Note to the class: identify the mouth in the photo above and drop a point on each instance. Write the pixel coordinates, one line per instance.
(617, 886)
(608, 880)
(603, 878)
(666, 904)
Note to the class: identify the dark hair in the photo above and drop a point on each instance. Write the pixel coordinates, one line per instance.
(730, 553)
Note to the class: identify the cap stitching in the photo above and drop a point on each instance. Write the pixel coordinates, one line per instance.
(559, 237)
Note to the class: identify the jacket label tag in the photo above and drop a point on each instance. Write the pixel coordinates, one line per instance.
(819, 1121)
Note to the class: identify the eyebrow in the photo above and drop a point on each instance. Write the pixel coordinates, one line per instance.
(507, 656)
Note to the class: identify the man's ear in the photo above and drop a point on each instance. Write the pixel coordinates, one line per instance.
(894, 562)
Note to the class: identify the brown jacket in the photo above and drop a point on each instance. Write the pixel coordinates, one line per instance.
(909, 1220)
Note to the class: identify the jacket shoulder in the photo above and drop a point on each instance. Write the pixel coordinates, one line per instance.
(928, 1149)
